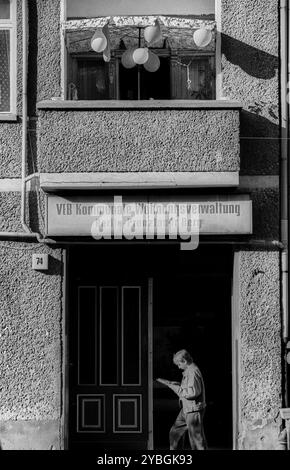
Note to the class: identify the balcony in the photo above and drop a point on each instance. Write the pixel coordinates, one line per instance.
(139, 136)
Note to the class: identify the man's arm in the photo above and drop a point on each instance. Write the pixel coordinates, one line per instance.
(188, 393)
(175, 386)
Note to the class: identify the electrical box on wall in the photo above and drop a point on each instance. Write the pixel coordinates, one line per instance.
(40, 262)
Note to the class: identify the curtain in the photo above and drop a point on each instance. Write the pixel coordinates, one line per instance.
(4, 9)
(4, 70)
(93, 81)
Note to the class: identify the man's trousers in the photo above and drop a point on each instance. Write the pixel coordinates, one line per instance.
(193, 422)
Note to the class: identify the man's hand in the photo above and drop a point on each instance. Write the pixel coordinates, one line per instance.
(175, 386)
(163, 381)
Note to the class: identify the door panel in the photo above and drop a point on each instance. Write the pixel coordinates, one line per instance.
(131, 335)
(109, 336)
(109, 366)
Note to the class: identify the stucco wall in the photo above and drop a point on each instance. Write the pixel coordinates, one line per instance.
(250, 63)
(10, 150)
(45, 47)
(266, 213)
(10, 211)
(30, 338)
(260, 349)
(145, 140)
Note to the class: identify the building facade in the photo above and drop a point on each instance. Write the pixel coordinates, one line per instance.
(89, 319)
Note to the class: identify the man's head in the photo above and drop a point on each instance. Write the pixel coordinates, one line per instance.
(182, 359)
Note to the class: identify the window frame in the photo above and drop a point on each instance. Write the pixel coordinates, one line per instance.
(217, 89)
(114, 92)
(10, 25)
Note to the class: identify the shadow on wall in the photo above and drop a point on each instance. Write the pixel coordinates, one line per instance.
(259, 126)
(260, 153)
(260, 133)
(253, 61)
(260, 144)
(32, 58)
(34, 212)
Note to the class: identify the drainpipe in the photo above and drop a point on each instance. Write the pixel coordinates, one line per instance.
(284, 182)
(24, 122)
(284, 161)
(26, 229)
(24, 111)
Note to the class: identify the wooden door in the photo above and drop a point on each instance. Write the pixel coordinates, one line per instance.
(109, 366)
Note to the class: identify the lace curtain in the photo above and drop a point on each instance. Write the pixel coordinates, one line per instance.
(4, 71)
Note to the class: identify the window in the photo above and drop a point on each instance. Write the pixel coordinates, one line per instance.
(7, 56)
(185, 70)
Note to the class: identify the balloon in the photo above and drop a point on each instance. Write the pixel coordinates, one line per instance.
(99, 41)
(153, 63)
(127, 59)
(152, 33)
(140, 55)
(107, 50)
(202, 37)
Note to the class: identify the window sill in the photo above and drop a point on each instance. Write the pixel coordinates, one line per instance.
(142, 104)
(8, 117)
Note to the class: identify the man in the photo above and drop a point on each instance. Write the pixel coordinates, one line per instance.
(191, 394)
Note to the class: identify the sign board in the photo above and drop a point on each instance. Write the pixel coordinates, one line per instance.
(40, 262)
(116, 216)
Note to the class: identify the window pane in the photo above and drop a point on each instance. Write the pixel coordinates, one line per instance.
(4, 71)
(153, 85)
(4, 9)
(93, 80)
(196, 79)
(128, 83)
(156, 85)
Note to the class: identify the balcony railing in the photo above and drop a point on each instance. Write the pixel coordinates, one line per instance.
(138, 136)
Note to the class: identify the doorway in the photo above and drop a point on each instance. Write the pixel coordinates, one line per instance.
(113, 397)
(192, 311)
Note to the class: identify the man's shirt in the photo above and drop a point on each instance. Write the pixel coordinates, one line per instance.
(192, 392)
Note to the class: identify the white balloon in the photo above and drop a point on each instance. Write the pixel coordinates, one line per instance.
(99, 41)
(152, 33)
(127, 59)
(140, 55)
(153, 63)
(107, 55)
(202, 37)
(107, 50)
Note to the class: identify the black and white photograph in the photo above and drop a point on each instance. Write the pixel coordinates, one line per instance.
(144, 224)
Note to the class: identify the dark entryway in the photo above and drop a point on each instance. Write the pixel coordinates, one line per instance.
(109, 407)
(192, 310)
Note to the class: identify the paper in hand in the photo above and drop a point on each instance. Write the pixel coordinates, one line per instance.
(172, 385)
